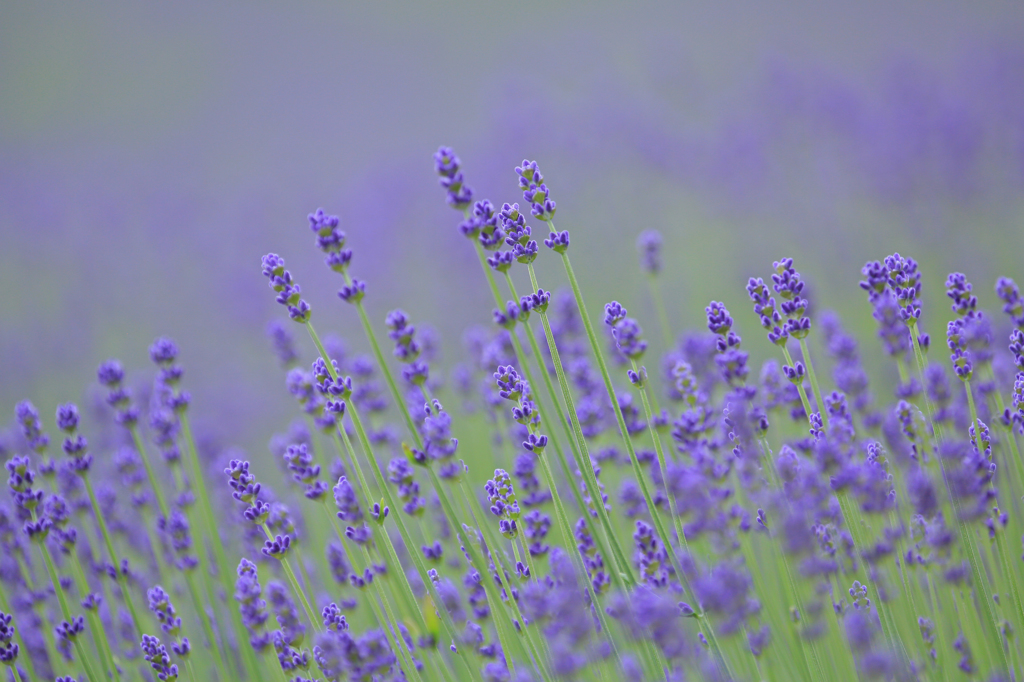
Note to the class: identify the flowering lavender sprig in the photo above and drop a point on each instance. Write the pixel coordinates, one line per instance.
(289, 293)
(447, 165)
(8, 649)
(157, 657)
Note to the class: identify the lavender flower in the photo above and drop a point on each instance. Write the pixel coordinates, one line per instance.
(503, 503)
(283, 343)
(288, 291)
(459, 194)
(158, 659)
(1013, 305)
(649, 245)
(8, 650)
(535, 191)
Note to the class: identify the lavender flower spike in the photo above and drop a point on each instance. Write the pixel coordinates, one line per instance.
(288, 291)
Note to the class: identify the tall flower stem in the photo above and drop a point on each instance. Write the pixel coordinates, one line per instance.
(389, 624)
(364, 441)
(819, 398)
(214, 548)
(799, 387)
(83, 655)
(570, 479)
(296, 587)
(584, 464)
(95, 624)
(659, 307)
(122, 580)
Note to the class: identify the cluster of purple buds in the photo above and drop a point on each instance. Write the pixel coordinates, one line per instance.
(178, 532)
(349, 510)
(111, 375)
(731, 361)
(460, 195)
(74, 445)
(518, 235)
(20, 480)
(765, 308)
(416, 371)
(649, 245)
(335, 391)
(163, 352)
(161, 606)
(8, 649)
(304, 471)
(156, 655)
(503, 503)
(904, 278)
(787, 284)
(288, 291)
(592, 559)
(956, 340)
(400, 472)
(482, 224)
(536, 525)
(31, 426)
(535, 191)
(1013, 305)
(651, 556)
(253, 608)
(330, 239)
(283, 343)
(958, 289)
(625, 330)
(354, 292)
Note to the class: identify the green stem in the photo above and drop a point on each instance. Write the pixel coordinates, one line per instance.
(799, 387)
(83, 655)
(122, 580)
(364, 441)
(659, 306)
(389, 622)
(214, 549)
(819, 399)
(286, 565)
(153, 483)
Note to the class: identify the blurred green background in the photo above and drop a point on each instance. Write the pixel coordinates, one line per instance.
(151, 153)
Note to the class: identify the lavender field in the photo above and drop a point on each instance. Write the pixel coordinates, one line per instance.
(699, 354)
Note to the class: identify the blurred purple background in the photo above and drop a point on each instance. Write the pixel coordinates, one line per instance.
(150, 154)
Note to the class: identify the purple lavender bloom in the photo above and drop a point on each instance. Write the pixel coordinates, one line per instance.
(31, 425)
(288, 291)
(283, 343)
(649, 245)
(536, 525)
(176, 529)
(787, 284)
(904, 278)
(535, 191)
(292, 629)
(253, 608)
(1013, 305)
(957, 343)
(8, 649)
(161, 606)
(503, 503)
(158, 659)
(766, 309)
(627, 335)
(459, 194)
(958, 289)
(400, 472)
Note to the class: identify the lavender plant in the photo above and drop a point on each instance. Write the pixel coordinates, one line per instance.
(769, 525)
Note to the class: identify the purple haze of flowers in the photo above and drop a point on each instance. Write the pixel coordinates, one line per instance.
(1013, 305)
(283, 343)
(31, 425)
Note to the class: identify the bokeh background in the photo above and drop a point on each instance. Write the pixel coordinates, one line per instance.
(150, 153)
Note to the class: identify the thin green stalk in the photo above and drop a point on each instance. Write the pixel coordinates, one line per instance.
(799, 387)
(121, 578)
(389, 622)
(819, 399)
(191, 670)
(153, 483)
(560, 418)
(219, 660)
(99, 633)
(83, 655)
(659, 306)
(214, 550)
(286, 565)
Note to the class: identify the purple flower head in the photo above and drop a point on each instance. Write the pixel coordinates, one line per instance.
(447, 164)
(278, 547)
(288, 291)
(330, 239)
(957, 343)
(156, 655)
(67, 417)
(558, 241)
(788, 285)
(31, 425)
(501, 261)
(614, 312)
(283, 343)
(346, 501)
(292, 629)
(178, 533)
(354, 292)
(1017, 347)
(536, 525)
(163, 352)
(719, 321)
(161, 606)
(535, 191)
(8, 649)
(110, 373)
(650, 555)
(503, 502)
(626, 333)
(649, 245)
(1013, 304)
(510, 386)
(958, 289)
(241, 481)
(904, 278)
